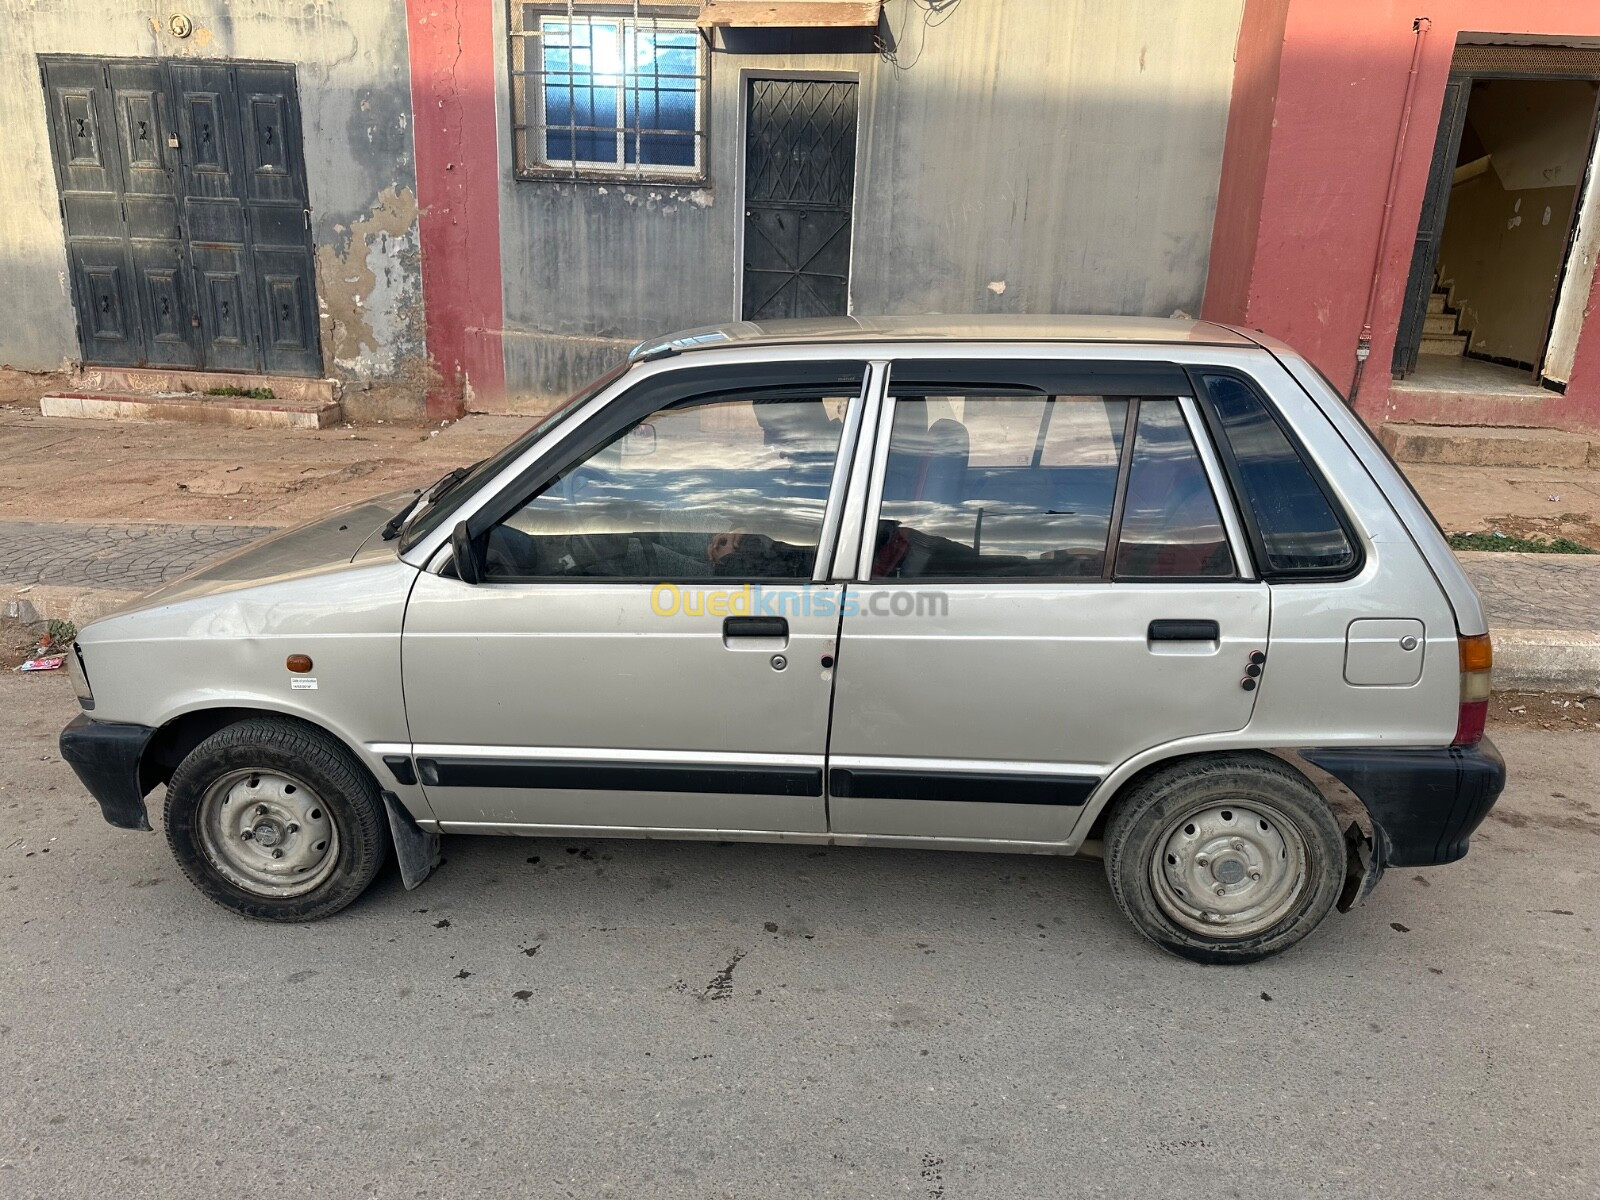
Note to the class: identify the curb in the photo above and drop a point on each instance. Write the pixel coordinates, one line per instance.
(30, 604)
(1546, 660)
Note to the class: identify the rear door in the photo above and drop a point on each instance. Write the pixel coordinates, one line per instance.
(1050, 586)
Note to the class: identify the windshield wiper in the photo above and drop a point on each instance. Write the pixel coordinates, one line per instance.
(428, 496)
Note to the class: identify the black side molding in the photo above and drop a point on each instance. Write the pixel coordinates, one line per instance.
(608, 776)
(105, 757)
(1185, 631)
(986, 787)
(400, 767)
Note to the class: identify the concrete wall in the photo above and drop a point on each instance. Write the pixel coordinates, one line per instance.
(354, 80)
(1039, 156)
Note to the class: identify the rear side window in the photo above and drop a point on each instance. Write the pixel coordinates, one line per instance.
(1300, 531)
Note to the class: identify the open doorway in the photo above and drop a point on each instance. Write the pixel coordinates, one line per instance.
(1509, 171)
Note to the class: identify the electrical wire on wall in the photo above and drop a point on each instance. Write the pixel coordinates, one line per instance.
(934, 13)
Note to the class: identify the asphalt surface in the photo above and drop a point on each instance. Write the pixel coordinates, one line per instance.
(628, 1019)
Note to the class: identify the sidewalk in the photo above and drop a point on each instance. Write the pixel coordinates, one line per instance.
(69, 550)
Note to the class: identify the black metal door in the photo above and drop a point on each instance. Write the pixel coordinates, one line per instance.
(800, 170)
(1430, 228)
(183, 192)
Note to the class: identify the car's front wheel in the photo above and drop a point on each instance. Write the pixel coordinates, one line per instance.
(275, 819)
(1225, 860)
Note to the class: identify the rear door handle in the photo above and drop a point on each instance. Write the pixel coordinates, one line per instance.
(1185, 631)
(755, 627)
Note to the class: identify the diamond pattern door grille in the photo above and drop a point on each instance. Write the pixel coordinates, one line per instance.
(800, 162)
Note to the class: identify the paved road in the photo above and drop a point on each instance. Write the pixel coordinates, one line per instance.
(571, 1018)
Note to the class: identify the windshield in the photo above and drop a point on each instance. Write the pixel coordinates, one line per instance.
(435, 515)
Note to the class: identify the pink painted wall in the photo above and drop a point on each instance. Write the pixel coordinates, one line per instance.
(453, 52)
(1306, 239)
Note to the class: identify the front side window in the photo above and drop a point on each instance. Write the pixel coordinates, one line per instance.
(1299, 529)
(717, 488)
(602, 95)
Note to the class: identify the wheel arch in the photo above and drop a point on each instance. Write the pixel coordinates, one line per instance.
(1364, 861)
(174, 740)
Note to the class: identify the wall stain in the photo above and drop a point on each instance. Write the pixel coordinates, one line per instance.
(367, 285)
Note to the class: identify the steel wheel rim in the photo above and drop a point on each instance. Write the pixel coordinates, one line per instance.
(268, 834)
(1230, 869)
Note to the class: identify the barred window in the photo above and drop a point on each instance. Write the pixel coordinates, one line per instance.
(607, 91)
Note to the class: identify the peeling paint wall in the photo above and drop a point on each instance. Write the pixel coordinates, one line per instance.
(351, 61)
(1039, 156)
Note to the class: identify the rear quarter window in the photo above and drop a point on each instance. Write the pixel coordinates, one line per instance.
(1299, 531)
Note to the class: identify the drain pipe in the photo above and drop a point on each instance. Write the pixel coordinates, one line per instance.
(1419, 28)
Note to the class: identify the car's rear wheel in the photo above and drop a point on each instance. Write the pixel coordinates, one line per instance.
(1224, 860)
(275, 819)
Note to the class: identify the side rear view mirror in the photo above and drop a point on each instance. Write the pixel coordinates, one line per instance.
(465, 551)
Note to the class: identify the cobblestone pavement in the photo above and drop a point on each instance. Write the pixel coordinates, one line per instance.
(1537, 591)
(122, 556)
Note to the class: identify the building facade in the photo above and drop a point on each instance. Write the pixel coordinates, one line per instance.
(483, 203)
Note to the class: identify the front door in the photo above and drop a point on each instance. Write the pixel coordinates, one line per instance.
(645, 649)
(800, 171)
(184, 197)
(1051, 589)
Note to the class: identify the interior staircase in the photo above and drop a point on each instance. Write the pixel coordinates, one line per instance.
(1441, 328)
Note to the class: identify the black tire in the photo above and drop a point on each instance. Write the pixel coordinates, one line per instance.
(301, 752)
(1155, 808)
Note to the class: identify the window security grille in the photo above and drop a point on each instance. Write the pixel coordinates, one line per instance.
(607, 92)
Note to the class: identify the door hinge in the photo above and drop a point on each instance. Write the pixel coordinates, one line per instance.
(105, 71)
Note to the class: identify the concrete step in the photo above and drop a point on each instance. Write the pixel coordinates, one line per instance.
(1454, 345)
(1439, 325)
(142, 380)
(210, 410)
(1436, 302)
(1488, 446)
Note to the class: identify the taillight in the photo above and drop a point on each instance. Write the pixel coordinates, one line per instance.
(1477, 659)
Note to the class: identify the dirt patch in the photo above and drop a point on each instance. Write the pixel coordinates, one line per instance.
(1578, 527)
(1561, 712)
(22, 389)
(17, 643)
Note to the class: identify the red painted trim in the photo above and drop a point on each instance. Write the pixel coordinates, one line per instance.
(458, 188)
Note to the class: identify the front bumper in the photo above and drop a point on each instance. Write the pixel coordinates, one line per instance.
(1424, 803)
(105, 756)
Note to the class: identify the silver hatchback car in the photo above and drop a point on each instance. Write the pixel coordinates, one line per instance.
(1139, 588)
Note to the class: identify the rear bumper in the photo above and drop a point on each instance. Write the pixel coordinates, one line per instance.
(1424, 803)
(105, 756)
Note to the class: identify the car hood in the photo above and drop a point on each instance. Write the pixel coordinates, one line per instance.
(331, 541)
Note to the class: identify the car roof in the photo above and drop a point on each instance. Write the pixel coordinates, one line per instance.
(980, 327)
